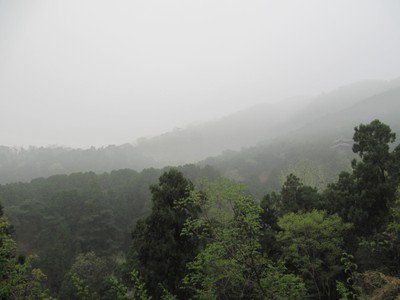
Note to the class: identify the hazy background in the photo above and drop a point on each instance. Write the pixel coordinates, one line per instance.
(81, 73)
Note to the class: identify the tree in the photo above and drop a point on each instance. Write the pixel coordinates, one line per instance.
(371, 143)
(230, 264)
(312, 243)
(86, 278)
(11, 273)
(18, 280)
(294, 197)
(269, 223)
(159, 251)
(375, 173)
(297, 197)
(363, 197)
(381, 251)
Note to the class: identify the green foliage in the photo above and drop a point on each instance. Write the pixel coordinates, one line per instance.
(383, 248)
(294, 197)
(82, 289)
(139, 290)
(62, 216)
(350, 289)
(375, 174)
(269, 223)
(159, 251)
(120, 290)
(372, 141)
(364, 196)
(216, 242)
(297, 197)
(86, 278)
(230, 264)
(18, 279)
(312, 244)
(264, 168)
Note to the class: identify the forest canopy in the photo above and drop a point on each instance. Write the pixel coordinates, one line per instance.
(195, 235)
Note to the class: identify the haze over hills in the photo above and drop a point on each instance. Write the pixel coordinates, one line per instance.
(336, 113)
(315, 144)
(327, 117)
(384, 106)
(273, 150)
(199, 149)
(266, 121)
(241, 129)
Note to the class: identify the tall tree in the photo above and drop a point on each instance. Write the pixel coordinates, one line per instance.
(159, 251)
(364, 196)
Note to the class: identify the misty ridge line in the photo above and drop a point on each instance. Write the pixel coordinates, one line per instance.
(264, 128)
(154, 66)
(279, 112)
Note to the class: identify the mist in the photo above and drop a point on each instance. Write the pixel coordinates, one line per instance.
(83, 73)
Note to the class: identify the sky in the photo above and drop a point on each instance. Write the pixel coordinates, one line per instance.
(84, 73)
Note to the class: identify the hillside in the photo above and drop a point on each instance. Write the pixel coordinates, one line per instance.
(25, 164)
(317, 151)
(319, 121)
(384, 106)
(263, 122)
(105, 227)
(61, 216)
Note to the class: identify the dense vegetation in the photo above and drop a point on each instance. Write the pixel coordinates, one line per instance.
(62, 216)
(210, 238)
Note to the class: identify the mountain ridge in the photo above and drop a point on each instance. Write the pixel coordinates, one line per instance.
(327, 116)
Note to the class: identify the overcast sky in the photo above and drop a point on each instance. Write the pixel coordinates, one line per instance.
(91, 72)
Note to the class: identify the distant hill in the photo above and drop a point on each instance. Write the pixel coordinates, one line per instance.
(315, 149)
(314, 120)
(266, 122)
(384, 106)
(241, 129)
(25, 164)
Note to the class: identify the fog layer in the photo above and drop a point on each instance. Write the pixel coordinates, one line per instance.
(82, 73)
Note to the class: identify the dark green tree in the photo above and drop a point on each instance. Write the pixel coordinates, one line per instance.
(371, 143)
(364, 196)
(294, 197)
(159, 251)
(87, 278)
(375, 173)
(18, 280)
(381, 251)
(269, 222)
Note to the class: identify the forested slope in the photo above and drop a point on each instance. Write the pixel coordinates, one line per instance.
(269, 121)
(211, 239)
(316, 152)
(62, 216)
